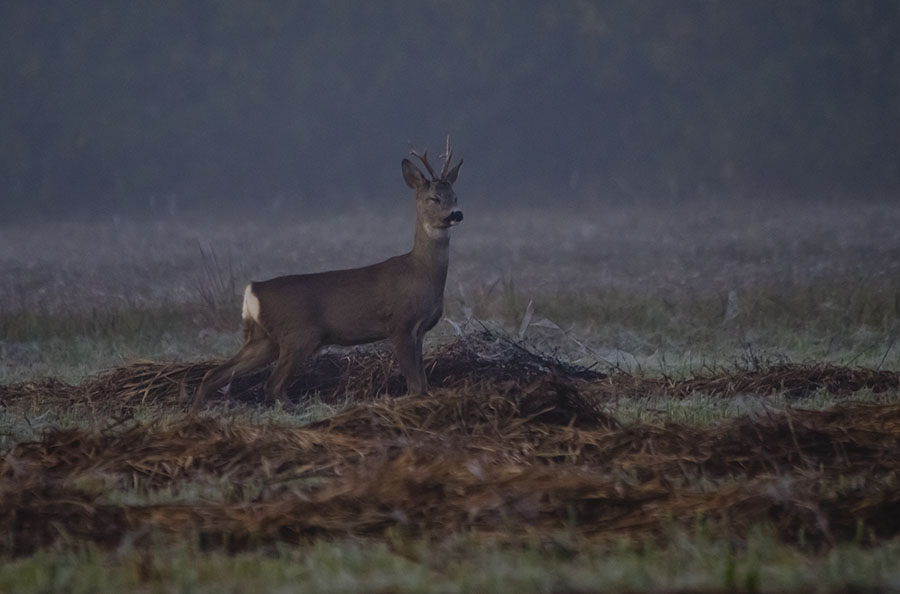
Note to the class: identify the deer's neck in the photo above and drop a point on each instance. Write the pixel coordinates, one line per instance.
(431, 252)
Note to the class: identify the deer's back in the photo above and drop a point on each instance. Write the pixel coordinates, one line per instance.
(343, 307)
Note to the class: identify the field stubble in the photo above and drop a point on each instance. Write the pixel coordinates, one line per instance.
(721, 396)
(514, 450)
(657, 288)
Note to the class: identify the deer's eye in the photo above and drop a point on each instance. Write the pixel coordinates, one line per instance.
(433, 199)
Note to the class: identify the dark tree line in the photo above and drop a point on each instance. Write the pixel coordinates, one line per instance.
(118, 104)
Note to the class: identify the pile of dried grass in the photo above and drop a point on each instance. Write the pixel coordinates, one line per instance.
(485, 360)
(510, 443)
(364, 373)
(791, 380)
(497, 465)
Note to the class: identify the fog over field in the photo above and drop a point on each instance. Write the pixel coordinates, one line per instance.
(235, 106)
(795, 280)
(667, 358)
(671, 250)
(159, 156)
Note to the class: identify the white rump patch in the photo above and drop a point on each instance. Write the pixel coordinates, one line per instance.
(251, 305)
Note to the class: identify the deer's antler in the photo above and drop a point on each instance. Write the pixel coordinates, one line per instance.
(424, 159)
(448, 155)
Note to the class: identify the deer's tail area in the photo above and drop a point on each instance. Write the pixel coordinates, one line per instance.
(250, 310)
(250, 315)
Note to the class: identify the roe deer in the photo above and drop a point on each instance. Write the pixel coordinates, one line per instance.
(288, 318)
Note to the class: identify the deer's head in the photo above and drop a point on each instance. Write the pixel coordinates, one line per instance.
(436, 209)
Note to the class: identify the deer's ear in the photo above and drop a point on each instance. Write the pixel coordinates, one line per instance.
(451, 175)
(412, 176)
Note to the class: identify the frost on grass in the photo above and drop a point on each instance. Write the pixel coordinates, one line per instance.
(511, 443)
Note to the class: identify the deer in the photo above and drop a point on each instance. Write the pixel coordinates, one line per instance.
(287, 319)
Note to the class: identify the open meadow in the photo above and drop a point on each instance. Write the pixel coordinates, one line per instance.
(677, 397)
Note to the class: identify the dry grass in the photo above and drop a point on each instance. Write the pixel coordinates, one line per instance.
(513, 449)
(510, 444)
(465, 364)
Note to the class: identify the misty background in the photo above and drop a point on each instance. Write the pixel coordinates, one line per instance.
(165, 106)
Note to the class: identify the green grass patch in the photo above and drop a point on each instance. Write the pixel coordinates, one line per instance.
(684, 561)
(674, 332)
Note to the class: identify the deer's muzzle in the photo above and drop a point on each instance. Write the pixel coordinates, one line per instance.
(454, 217)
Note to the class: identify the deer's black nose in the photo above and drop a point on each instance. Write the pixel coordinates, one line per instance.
(455, 217)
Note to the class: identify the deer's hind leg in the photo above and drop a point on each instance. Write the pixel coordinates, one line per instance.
(294, 350)
(258, 350)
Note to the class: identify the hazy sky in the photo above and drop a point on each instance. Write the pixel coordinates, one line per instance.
(111, 107)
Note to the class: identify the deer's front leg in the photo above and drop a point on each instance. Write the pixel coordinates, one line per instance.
(408, 349)
(420, 362)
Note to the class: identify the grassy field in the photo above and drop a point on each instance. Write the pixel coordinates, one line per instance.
(697, 398)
